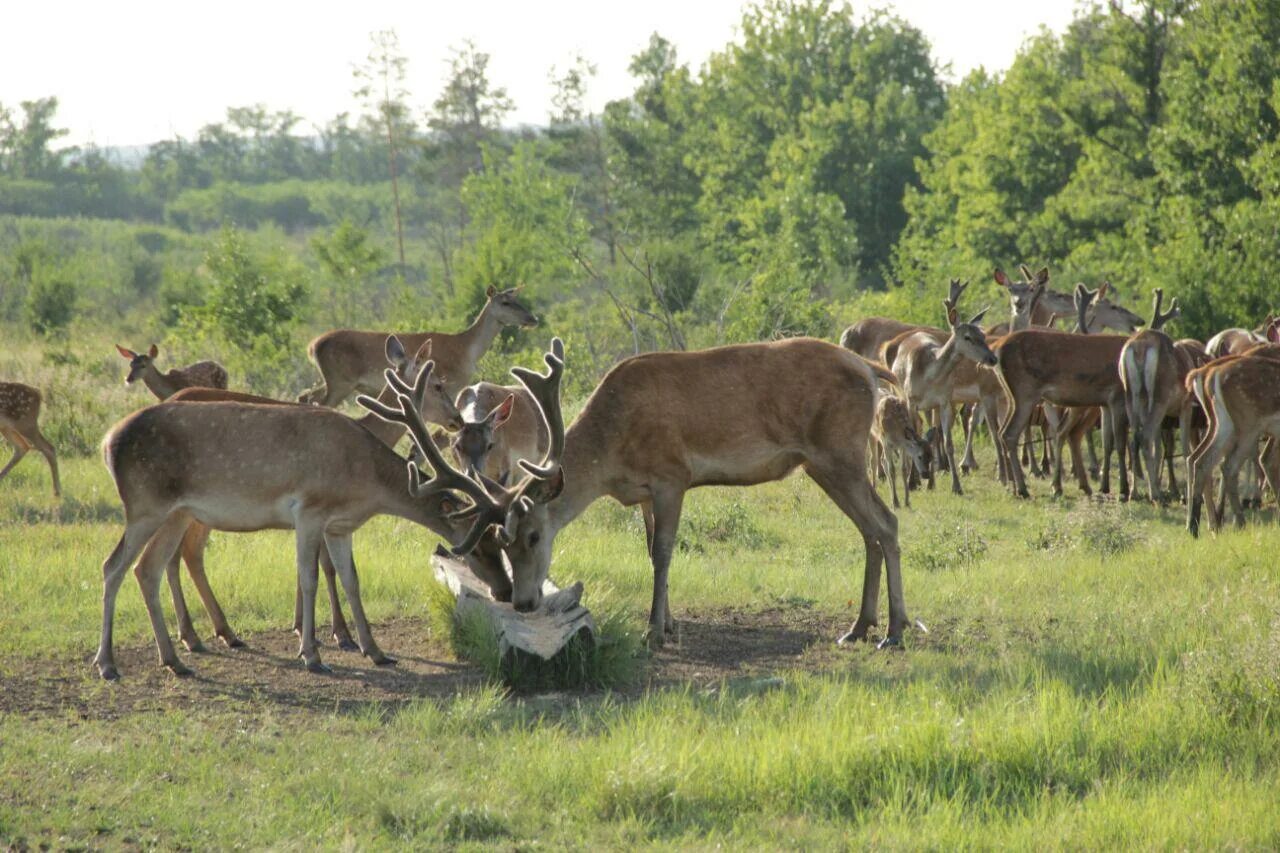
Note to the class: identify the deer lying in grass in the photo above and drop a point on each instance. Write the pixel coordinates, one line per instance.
(894, 433)
(351, 361)
(660, 424)
(501, 425)
(1241, 396)
(434, 406)
(243, 467)
(19, 423)
(202, 374)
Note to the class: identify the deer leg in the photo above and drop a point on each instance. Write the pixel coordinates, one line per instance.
(341, 633)
(1200, 468)
(879, 529)
(948, 444)
(51, 456)
(20, 448)
(894, 466)
(1120, 424)
(135, 537)
(1094, 467)
(1014, 426)
(667, 504)
(158, 553)
(646, 512)
(1271, 465)
(339, 548)
(186, 630)
(192, 550)
(310, 539)
(970, 463)
(1107, 437)
(1243, 451)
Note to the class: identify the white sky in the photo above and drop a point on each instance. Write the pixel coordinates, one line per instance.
(136, 71)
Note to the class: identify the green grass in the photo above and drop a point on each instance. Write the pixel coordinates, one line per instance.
(1092, 678)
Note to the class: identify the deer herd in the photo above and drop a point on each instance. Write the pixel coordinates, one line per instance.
(206, 458)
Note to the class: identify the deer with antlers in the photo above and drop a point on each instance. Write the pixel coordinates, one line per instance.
(927, 370)
(243, 467)
(660, 424)
(202, 374)
(1066, 370)
(351, 361)
(433, 404)
(19, 424)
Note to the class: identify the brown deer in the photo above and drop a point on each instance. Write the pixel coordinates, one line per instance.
(350, 360)
(435, 407)
(1233, 342)
(894, 433)
(501, 425)
(927, 369)
(243, 467)
(1066, 370)
(202, 374)
(19, 416)
(868, 336)
(1241, 396)
(660, 424)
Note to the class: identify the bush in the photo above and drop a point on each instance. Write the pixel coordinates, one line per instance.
(51, 302)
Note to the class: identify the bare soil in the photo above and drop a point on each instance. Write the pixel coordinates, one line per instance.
(710, 646)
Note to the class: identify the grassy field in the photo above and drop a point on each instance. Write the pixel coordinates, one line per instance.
(1092, 677)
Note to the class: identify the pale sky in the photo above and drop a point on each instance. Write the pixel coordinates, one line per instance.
(137, 71)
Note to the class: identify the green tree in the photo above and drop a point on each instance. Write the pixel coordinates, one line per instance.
(253, 301)
(350, 259)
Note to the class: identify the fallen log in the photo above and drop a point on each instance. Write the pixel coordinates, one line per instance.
(542, 633)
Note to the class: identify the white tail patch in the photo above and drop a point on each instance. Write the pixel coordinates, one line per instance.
(1133, 379)
(1149, 368)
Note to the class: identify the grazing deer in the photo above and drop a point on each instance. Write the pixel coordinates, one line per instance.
(1241, 396)
(243, 467)
(894, 434)
(350, 360)
(662, 423)
(19, 416)
(501, 425)
(1066, 370)
(435, 407)
(202, 374)
(926, 370)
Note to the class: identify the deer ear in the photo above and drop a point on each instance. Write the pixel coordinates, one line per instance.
(951, 314)
(977, 318)
(545, 491)
(424, 352)
(491, 291)
(502, 412)
(126, 353)
(1273, 333)
(394, 350)
(1102, 290)
(1042, 277)
(1001, 278)
(154, 351)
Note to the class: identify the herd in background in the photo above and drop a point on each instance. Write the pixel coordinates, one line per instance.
(207, 458)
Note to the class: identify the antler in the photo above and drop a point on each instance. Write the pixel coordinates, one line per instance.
(546, 393)
(1158, 319)
(445, 477)
(954, 293)
(1084, 298)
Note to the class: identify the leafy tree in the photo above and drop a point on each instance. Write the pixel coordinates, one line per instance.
(25, 150)
(349, 259)
(252, 301)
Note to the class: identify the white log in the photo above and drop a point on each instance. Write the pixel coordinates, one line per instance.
(542, 633)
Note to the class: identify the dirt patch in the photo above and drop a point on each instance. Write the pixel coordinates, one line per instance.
(711, 645)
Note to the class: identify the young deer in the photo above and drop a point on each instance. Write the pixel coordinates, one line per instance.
(202, 374)
(662, 423)
(501, 425)
(19, 416)
(242, 467)
(894, 434)
(351, 361)
(434, 406)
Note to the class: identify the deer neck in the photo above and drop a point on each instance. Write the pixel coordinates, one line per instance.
(1052, 304)
(159, 384)
(585, 476)
(945, 360)
(479, 336)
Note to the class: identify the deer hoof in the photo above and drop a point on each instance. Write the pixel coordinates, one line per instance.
(194, 645)
(319, 668)
(108, 672)
(858, 633)
(179, 669)
(380, 659)
(345, 643)
(889, 642)
(655, 639)
(231, 641)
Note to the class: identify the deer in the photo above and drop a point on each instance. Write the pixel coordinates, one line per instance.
(19, 424)
(1066, 370)
(1241, 396)
(202, 374)
(243, 467)
(1154, 371)
(662, 423)
(927, 369)
(435, 407)
(894, 433)
(501, 425)
(1233, 342)
(868, 336)
(351, 361)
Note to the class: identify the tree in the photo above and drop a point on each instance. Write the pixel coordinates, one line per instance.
(25, 150)
(349, 259)
(383, 91)
(578, 148)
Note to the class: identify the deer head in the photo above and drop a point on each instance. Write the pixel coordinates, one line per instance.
(969, 338)
(139, 363)
(1105, 314)
(435, 405)
(1023, 295)
(475, 439)
(506, 309)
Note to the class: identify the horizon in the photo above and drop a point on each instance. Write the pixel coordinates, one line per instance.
(108, 109)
